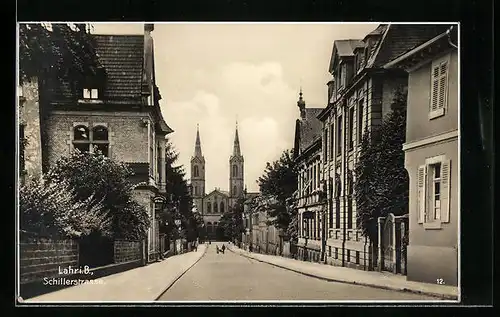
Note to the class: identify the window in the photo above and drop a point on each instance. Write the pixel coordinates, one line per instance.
(357, 257)
(339, 135)
(332, 137)
(330, 206)
(439, 87)
(196, 172)
(222, 207)
(325, 144)
(90, 93)
(314, 177)
(433, 180)
(235, 170)
(351, 128)
(329, 250)
(336, 253)
(337, 213)
(235, 190)
(215, 208)
(349, 212)
(360, 120)
(209, 207)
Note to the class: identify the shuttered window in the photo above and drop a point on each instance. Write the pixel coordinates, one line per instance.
(439, 87)
(433, 191)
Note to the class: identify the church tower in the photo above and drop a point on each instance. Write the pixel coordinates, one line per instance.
(198, 174)
(236, 171)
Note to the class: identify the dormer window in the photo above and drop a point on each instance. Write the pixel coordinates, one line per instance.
(90, 93)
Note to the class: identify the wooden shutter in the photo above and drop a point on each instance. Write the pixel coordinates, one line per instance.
(421, 184)
(435, 88)
(443, 83)
(445, 190)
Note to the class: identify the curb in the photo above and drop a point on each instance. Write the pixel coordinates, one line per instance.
(438, 295)
(180, 275)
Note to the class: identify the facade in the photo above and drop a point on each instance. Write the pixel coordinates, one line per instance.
(265, 238)
(359, 98)
(431, 158)
(310, 203)
(213, 205)
(116, 112)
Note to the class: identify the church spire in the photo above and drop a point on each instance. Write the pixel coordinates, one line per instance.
(197, 147)
(302, 105)
(236, 148)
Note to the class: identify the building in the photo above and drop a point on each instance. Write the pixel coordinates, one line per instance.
(310, 205)
(248, 207)
(214, 204)
(116, 111)
(265, 237)
(431, 157)
(359, 98)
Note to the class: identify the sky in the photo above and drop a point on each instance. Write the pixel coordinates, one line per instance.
(216, 75)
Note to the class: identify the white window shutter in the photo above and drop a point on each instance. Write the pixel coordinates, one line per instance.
(421, 176)
(435, 88)
(443, 85)
(445, 190)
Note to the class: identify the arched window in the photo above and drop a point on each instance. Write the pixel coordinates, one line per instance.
(100, 140)
(196, 190)
(209, 207)
(97, 141)
(215, 208)
(222, 207)
(81, 138)
(235, 190)
(235, 170)
(196, 171)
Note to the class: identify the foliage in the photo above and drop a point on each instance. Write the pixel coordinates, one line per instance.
(51, 210)
(381, 185)
(95, 177)
(277, 185)
(179, 201)
(231, 222)
(59, 50)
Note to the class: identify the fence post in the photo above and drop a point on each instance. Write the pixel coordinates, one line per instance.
(395, 245)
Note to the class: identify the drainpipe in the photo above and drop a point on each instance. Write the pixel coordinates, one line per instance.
(448, 32)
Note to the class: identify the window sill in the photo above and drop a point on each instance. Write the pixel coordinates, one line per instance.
(435, 225)
(90, 101)
(436, 114)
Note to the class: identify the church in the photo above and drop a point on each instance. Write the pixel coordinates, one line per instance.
(214, 204)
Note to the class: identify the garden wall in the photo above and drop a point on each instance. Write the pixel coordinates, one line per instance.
(39, 259)
(126, 251)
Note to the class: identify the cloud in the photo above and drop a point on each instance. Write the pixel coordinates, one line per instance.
(256, 95)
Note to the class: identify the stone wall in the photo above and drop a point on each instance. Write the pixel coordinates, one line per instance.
(40, 259)
(126, 251)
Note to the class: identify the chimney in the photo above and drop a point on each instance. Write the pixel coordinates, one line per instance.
(148, 59)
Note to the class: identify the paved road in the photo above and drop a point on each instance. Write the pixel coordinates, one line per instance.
(233, 277)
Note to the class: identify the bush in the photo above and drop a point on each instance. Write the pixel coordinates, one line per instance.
(96, 179)
(49, 210)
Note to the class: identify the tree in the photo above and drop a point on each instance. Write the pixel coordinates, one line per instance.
(179, 201)
(231, 222)
(50, 210)
(57, 50)
(95, 179)
(277, 185)
(381, 179)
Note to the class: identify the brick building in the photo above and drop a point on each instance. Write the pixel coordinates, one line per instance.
(431, 157)
(311, 207)
(359, 97)
(116, 111)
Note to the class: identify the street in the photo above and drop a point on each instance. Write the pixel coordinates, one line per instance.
(230, 276)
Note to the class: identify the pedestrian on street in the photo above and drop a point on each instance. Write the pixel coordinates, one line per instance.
(223, 248)
(217, 249)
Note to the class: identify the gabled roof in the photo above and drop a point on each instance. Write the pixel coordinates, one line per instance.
(218, 192)
(401, 38)
(123, 58)
(309, 128)
(343, 48)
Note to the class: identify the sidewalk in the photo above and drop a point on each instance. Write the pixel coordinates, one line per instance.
(383, 280)
(145, 283)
